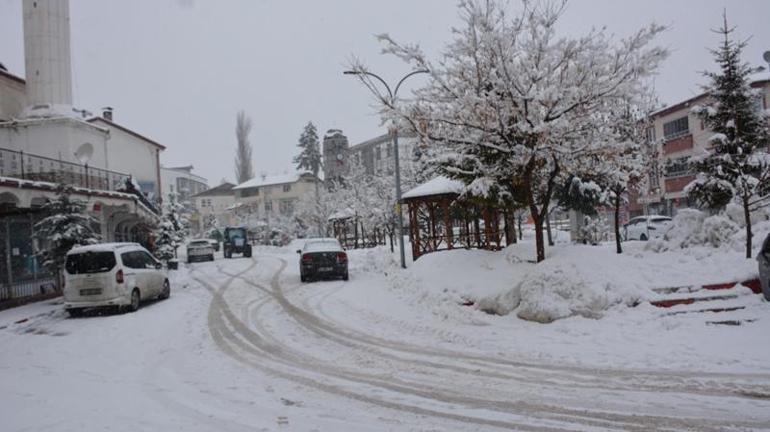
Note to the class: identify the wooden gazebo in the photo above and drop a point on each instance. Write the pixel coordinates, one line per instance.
(439, 219)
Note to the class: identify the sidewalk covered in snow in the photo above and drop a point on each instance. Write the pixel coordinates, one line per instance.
(439, 219)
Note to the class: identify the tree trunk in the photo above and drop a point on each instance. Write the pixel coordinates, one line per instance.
(618, 247)
(510, 227)
(518, 222)
(747, 216)
(539, 241)
(548, 228)
(390, 233)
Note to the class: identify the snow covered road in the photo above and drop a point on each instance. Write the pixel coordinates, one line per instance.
(242, 345)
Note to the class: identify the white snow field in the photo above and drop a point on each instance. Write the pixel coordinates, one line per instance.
(242, 345)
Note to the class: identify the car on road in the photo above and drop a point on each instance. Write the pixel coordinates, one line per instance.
(112, 274)
(214, 243)
(646, 227)
(764, 267)
(199, 250)
(322, 258)
(236, 241)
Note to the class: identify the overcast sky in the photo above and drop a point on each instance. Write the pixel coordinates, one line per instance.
(179, 70)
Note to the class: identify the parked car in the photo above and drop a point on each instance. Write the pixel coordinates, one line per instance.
(236, 241)
(214, 243)
(764, 267)
(200, 250)
(646, 227)
(322, 258)
(112, 274)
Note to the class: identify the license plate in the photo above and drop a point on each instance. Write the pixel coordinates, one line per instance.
(239, 242)
(91, 291)
(325, 269)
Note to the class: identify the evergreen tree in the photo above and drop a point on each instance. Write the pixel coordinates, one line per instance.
(309, 157)
(66, 225)
(737, 165)
(172, 230)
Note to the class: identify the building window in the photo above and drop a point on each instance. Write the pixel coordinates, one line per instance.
(268, 206)
(677, 167)
(650, 134)
(676, 128)
(286, 207)
(377, 153)
(287, 188)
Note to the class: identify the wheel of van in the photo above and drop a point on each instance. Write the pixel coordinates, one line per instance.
(135, 298)
(247, 253)
(302, 278)
(211, 257)
(166, 293)
(345, 276)
(643, 237)
(75, 312)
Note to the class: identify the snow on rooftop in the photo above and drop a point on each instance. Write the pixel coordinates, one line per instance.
(273, 179)
(437, 186)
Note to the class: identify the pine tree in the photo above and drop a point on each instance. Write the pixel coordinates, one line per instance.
(737, 165)
(243, 168)
(66, 225)
(172, 230)
(309, 157)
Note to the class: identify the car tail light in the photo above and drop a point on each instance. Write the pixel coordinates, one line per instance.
(307, 258)
(119, 276)
(342, 257)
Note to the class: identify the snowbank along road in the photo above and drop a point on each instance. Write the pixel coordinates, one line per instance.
(243, 345)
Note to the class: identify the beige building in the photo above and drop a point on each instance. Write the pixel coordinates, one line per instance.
(678, 134)
(215, 204)
(268, 197)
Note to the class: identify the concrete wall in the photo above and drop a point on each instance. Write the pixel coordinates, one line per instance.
(132, 155)
(57, 139)
(12, 96)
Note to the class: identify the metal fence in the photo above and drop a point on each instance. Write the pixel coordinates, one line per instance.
(20, 272)
(27, 166)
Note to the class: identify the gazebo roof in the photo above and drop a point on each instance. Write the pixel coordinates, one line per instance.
(437, 186)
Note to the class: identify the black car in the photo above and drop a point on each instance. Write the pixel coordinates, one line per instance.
(236, 241)
(322, 258)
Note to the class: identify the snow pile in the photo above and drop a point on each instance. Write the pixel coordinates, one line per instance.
(703, 234)
(567, 284)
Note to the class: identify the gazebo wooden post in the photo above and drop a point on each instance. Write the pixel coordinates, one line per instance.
(432, 225)
(476, 227)
(447, 223)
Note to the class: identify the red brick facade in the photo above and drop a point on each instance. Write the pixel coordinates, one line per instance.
(678, 144)
(677, 184)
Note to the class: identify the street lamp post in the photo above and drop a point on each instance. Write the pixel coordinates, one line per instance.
(392, 101)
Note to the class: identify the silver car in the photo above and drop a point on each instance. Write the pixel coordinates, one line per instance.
(200, 250)
(764, 267)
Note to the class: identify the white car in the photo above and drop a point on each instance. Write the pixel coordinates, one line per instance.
(112, 274)
(764, 267)
(200, 250)
(646, 227)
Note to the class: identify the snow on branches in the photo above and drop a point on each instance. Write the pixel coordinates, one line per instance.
(66, 225)
(736, 167)
(516, 109)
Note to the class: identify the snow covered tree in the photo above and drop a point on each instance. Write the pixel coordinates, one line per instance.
(243, 168)
(66, 225)
(309, 157)
(172, 230)
(515, 107)
(736, 167)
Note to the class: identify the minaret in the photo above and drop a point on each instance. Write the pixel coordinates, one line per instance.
(47, 58)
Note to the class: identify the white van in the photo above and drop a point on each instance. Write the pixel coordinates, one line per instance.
(112, 274)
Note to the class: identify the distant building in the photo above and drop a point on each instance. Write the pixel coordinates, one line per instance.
(215, 204)
(182, 182)
(677, 134)
(375, 154)
(269, 196)
(335, 154)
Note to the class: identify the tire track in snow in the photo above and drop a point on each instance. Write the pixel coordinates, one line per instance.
(595, 419)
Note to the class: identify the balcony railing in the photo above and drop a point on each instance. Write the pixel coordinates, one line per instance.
(25, 166)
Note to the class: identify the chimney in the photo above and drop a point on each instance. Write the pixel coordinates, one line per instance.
(107, 113)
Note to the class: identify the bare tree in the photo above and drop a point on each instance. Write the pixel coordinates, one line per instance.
(243, 168)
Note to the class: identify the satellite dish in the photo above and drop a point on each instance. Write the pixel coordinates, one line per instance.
(84, 153)
(766, 56)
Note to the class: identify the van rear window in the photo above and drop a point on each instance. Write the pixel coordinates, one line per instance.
(90, 262)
